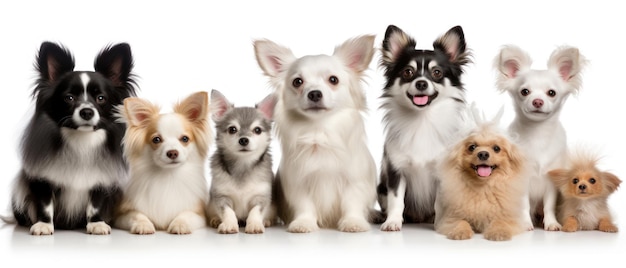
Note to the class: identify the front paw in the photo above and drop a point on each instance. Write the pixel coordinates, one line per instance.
(551, 226)
(302, 226)
(42, 228)
(228, 227)
(98, 228)
(254, 227)
(608, 227)
(353, 225)
(391, 225)
(461, 234)
(178, 227)
(498, 235)
(142, 228)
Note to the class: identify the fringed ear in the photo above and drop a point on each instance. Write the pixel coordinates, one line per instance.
(453, 44)
(611, 182)
(272, 58)
(219, 105)
(116, 63)
(395, 42)
(52, 62)
(568, 62)
(509, 62)
(266, 106)
(195, 107)
(356, 53)
(559, 177)
(138, 112)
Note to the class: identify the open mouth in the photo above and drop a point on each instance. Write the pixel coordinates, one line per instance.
(420, 100)
(484, 170)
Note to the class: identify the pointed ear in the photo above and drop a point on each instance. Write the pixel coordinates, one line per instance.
(116, 63)
(53, 61)
(195, 107)
(453, 44)
(611, 181)
(271, 57)
(395, 42)
(266, 106)
(219, 105)
(138, 112)
(568, 62)
(509, 62)
(559, 176)
(357, 53)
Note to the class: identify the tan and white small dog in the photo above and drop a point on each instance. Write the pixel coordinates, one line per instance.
(167, 155)
(585, 189)
(327, 175)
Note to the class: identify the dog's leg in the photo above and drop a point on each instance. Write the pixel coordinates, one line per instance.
(395, 204)
(570, 224)
(526, 213)
(186, 222)
(136, 222)
(229, 223)
(305, 219)
(42, 194)
(549, 209)
(355, 212)
(456, 229)
(255, 221)
(499, 230)
(102, 201)
(605, 225)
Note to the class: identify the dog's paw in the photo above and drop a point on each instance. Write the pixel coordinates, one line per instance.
(608, 228)
(98, 228)
(353, 225)
(255, 227)
(302, 226)
(552, 226)
(142, 228)
(215, 222)
(391, 226)
(179, 227)
(228, 228)
(42, 228)
(463, 234)
(528, 225)
(498, 235)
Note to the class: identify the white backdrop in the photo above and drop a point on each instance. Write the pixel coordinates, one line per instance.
(188, 46)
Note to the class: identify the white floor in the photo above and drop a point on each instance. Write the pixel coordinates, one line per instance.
(414, 246)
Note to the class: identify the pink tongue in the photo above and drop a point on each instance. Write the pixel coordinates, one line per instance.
(484, 171)
(420, 100)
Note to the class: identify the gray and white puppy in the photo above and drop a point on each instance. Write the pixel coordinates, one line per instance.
(241, 166)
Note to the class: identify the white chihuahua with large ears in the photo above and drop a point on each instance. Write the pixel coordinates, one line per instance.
(538, 97)
(327, 175)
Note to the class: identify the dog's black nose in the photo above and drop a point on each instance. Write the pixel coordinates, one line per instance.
(582, 187)
(421, 85)
(315, 95)
(244, 141)
(86, 113)
(172, 154)
(483, 155)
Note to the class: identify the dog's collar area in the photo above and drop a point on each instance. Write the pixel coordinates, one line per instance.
(421, 100)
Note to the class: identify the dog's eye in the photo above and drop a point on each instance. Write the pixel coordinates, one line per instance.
(184, 139)
(525, 92)
(472, 147)
(592, 181)
(258, 130)
(156, 140)
(69, 98)
(407, 73)
(101, 99)
(232, 130)
(437, 73)
(575, 181)
(496, 148)
(551, 93)
(333, 80)
(297, 82)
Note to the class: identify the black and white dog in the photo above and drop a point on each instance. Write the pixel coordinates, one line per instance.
(423, 103)
(72, 161)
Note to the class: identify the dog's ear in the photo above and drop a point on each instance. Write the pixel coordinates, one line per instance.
(610, 181)
(138, 112)
(559, 177)
(115, 62)
(195, 107)
(266, 106)
(568, 62)
(509, 61)
(394, 44)
(53, 61)
(219, 105)
(271, 57)
(453, 44)
(357, 53)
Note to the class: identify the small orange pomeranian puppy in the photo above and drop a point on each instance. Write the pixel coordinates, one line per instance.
(584, 191)
(481, 187)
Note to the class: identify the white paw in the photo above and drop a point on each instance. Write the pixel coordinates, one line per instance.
(302, 226)
(254, 227)
(528, 225)
(142, 228)
(98, 228)
(179, 227)
(42, 228)
(353, 225)
(391, 225)
(228, 227)
(551, 226)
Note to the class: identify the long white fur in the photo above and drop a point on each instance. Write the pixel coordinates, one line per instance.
(327, 173)
(541, 135)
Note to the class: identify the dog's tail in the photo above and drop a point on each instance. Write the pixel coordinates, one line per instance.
(8, 219)
(376, 216)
